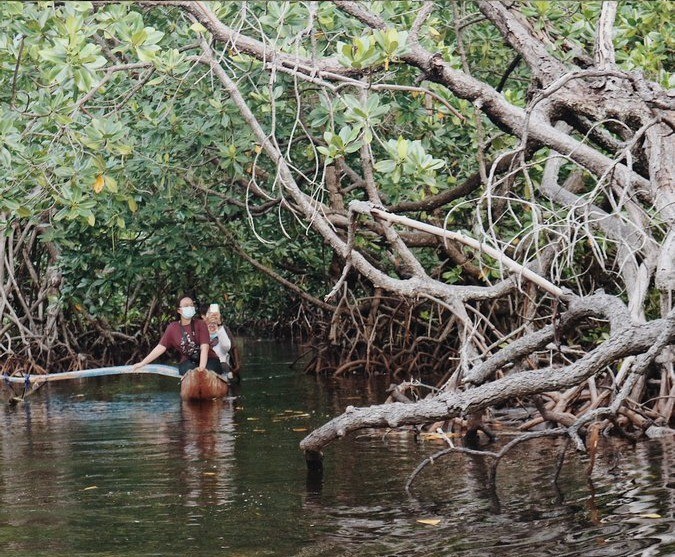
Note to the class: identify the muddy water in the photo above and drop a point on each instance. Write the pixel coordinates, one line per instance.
(119, 466)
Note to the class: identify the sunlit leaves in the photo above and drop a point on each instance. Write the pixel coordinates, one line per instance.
(326, 16)
(642, 38)
(9, 140)
(381, 47)
(360, 53)
(106, 134)
(129, 147)
(409, 159)
(265, 98)
(73, 62)
(14, 207)
(338, 145)
(136, 37)
(365, 115)
(645, 41)
(76, 205)
(391, 43)
(113, 18)
(285, 19)
(13, 8)
(233, 157)
(198, 28)
(321, 114)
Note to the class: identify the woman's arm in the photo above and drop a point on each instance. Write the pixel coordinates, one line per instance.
(223, 340)
(204, 356)
(156, 352)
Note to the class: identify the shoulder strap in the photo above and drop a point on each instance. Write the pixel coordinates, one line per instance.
(192, 327)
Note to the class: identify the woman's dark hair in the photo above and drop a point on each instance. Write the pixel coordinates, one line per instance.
(203, 309)
(186, 296)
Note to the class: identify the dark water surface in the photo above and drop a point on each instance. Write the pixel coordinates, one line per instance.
(119, 466)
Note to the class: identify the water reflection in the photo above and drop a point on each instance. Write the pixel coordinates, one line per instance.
(208, 451)
(123, 467)
(482, 483)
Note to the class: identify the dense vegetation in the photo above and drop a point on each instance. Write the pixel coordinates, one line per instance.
(462, 190)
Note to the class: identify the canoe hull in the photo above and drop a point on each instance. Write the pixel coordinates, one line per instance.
(157, 369)
(203, 384)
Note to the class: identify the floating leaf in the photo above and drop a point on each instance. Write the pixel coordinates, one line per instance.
(290, 416)
(429, 521)
(650, 515)
(90, 488)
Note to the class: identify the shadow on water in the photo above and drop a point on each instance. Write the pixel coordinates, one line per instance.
(120, 466)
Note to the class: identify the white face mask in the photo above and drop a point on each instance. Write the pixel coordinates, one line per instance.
(188, 312)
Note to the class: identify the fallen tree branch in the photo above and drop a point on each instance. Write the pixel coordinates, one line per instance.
(631, 340)
(638, 369)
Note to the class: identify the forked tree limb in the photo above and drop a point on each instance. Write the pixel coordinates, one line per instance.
(513, 266)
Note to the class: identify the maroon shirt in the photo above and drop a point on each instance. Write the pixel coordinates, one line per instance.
(197, 334)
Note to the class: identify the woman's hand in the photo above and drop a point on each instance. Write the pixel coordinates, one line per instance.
(213, 319)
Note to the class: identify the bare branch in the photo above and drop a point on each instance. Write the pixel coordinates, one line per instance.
(364, 16)
(262, 51)
(422, 16)
(518, 32)
(604, 47)
(598, 305)
(509, 263)
(314, 212)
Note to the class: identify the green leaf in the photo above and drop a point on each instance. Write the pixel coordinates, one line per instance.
(197, 28)
(402, 148)
(146, 53)
(5, 157)
(139, 37)
(385, 166)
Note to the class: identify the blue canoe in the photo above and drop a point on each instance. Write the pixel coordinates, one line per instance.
(156, 369)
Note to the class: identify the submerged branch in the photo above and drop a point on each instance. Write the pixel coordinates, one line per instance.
(495, 457)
